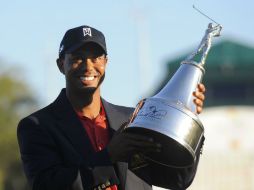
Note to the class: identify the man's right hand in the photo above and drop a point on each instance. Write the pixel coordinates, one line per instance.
(123, 145)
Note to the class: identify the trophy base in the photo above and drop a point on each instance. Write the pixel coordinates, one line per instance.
(175, 127)
(173, 154)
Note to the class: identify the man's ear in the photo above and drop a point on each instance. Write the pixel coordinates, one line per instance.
(60, 64)
(106, 60)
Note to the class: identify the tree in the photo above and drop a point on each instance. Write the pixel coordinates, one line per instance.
(15, 95)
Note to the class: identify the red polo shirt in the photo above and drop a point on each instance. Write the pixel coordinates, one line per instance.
(98, 132)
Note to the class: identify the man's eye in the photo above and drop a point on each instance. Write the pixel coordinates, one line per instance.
(100, 57)
(76, 59)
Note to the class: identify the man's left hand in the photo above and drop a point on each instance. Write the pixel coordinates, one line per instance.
(199, 97)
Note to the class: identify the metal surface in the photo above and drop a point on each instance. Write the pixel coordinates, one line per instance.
(160, 120)
(169, 116)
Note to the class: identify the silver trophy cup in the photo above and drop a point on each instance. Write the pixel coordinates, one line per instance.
(170, 116)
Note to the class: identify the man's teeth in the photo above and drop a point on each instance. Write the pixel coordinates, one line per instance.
(87, 78)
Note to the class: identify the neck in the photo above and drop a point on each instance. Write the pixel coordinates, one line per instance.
(88, 104)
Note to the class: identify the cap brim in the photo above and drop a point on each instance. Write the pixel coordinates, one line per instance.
(79, 45)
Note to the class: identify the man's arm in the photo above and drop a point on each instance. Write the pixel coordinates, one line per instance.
(50, 165)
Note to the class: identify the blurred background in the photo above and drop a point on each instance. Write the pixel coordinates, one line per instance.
(146, 42)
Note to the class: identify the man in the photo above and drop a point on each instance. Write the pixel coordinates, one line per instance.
(76, 142)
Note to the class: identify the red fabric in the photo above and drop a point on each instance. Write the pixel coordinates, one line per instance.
(114, 187)
(98, 132)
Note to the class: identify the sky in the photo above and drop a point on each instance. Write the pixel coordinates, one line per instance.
(141, 36)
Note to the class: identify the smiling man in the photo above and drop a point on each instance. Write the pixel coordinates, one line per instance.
(76, 142)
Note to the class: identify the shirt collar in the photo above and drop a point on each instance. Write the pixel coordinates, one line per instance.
(100, 116)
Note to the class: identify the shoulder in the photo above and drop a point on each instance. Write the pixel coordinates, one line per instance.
(121, 108)
(116, 114)
(34, 127)
(47, 113)
(118, 108)
(36, 117)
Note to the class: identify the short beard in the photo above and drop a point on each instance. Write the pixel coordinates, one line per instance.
(88, 92)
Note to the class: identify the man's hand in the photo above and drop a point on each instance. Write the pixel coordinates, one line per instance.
(123, 145)
(199, 97)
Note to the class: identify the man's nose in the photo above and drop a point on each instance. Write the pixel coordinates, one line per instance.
(87, 64)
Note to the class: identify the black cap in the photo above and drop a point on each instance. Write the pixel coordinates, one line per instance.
(76, 37)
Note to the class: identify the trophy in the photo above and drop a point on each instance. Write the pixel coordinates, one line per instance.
(169, 117)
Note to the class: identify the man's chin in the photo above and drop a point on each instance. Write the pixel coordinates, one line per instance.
(88, 90)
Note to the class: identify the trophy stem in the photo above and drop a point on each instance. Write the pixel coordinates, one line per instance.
(181, 86)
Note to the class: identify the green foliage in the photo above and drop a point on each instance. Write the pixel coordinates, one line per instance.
(14, 94)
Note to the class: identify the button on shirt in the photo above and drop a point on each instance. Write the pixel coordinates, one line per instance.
(97, 131)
